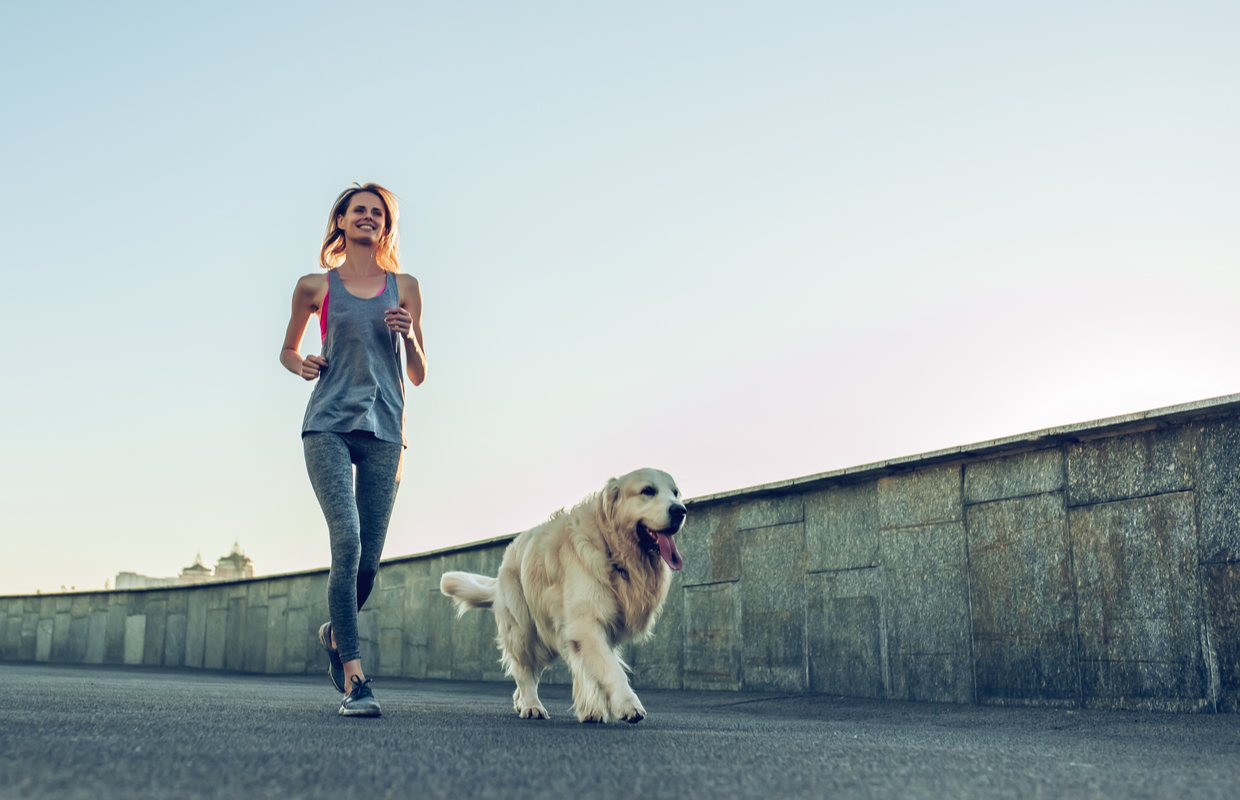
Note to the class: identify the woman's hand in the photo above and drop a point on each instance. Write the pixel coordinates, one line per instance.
(311, 366)
(399, 320)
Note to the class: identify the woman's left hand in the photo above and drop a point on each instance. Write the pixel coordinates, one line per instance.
(399, 320)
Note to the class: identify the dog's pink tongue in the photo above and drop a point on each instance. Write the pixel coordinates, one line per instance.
(667, 549)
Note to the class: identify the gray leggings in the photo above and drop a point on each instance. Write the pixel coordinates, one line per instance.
(357, 514)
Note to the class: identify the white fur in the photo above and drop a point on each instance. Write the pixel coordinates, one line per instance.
(579, 586)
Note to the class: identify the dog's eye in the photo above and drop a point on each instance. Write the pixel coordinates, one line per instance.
(650, 491)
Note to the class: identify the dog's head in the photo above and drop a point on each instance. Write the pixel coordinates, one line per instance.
(646, 505)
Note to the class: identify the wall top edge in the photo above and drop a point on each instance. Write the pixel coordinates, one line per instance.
(1032, 440)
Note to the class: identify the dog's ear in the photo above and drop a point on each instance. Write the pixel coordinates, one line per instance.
(608, 501)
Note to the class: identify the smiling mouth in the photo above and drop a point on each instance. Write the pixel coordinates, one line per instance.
(661, 541)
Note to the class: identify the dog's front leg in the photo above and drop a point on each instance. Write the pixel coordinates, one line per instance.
(600, 688)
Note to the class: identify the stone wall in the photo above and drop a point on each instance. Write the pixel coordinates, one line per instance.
(1094, 565)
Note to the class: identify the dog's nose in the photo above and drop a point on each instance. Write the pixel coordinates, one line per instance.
(676, 514)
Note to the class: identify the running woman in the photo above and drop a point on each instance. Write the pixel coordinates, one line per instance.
(367, 311)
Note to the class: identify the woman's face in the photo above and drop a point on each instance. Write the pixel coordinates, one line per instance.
(364, 218)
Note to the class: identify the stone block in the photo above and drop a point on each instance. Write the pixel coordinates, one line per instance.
(96, 637)
(929, 548)
(156, 625)
(61, 635)
(841, 527)
(712, 643)
(278, 588)
(300, 641)
(114, 638)
(277, 633)
(1222, 591)
(299, 590)
(255, 645)
(234, 634)
(391, 651)
(43, 639)
(178, 601)
(921, 497)
(195, 628)
(1024, 600)
(174, 640)
(928, 612)
(12, 638)
(439, 620)
(709, 544)
(846, 632)
(215, 642)
(62, 604)
(473, 636)
(767, 511)
(932, 678)
(1018, 475)
(1136, 465)
(217, 598)
(1135, 565)
(80, 606)
(1218, 490)
(421, 592)
(135, 638)
(29, 645)
(79, 630)
(657, 662)
(255, 593)
(773, 608)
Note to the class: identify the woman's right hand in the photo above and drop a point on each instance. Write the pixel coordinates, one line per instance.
(311, 366)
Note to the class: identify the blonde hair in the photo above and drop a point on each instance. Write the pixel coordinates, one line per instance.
(331, 255)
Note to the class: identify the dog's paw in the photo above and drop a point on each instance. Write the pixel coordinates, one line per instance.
(630, 710)
(591, 718)
(534, 712)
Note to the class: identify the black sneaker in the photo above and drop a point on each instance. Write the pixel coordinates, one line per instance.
(336, 668)
(361, 701)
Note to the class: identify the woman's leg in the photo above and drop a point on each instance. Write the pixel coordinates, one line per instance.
(330, 465)
(378, 479)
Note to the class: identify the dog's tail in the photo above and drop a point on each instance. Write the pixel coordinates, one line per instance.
(468, 590)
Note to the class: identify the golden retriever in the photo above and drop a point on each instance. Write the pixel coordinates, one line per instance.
(580, 585)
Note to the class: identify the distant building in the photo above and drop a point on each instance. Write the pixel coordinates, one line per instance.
(232, 567)
(196, 573)
(132, 580)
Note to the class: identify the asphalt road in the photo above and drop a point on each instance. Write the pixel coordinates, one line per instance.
(111, 732)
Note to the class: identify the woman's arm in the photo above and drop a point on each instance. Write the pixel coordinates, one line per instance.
(307, 298)
(407, 321)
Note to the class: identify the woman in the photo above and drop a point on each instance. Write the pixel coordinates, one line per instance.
(355, 417)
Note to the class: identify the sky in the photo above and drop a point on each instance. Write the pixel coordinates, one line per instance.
(738, 241)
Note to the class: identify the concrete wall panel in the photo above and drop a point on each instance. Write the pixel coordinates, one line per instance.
(1023, 601)
(929, 620)
(1136, 465)
(1218, 493)
(841, 527)
(773, 608)
(709, 544)
(1017, 475)
(921, 497)
(712, 644)
(846, 621)
(1222, 584)
(1135, 564)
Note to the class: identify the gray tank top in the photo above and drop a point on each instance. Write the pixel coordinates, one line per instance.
(363, 387)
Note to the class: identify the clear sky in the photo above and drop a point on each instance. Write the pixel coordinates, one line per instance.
(739, 241)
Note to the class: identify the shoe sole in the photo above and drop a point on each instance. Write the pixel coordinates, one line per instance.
(360, 712)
